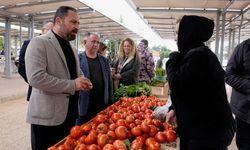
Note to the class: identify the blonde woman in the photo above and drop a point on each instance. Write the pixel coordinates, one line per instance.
(126, 64)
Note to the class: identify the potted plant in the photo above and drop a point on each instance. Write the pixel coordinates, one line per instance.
(160, 74)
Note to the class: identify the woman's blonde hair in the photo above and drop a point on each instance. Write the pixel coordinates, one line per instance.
(133, 49)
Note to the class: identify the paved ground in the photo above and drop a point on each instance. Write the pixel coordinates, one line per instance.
(14, 131)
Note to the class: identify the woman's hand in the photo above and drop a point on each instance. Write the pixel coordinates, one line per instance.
(171, 118)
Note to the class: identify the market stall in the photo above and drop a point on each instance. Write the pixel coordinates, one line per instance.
(127, 124)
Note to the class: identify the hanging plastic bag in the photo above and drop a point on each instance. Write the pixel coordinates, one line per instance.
(160, 112)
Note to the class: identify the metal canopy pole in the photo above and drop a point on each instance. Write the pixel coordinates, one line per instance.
(217, 32)
(233, 40)
(7, 66)
(241, 21)
(230, 42)
(31, 27)
(222, 37)
(20, 34)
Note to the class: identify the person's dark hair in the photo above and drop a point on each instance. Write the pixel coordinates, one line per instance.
(144, 41)
(102, 47)
(62, 12)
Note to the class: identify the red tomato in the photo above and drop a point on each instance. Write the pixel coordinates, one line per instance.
(136, 131)
(62, 147)
(108, 147)
(82, 147)
(130, 119)
(153, 130)
(157, 123)
(52, 148)
(102, 140)
(69, 143)
(160, 137)
(120, 122)
(145, 127)
(111, 135)
(116, 116)
(171, 135)
(112, 126)
(153, 145)
(102, 128)
(82, 139)
(148, 140)
(136, 108)
(76, 132)
(136, 145)
(141, 138)
(91, 138)
(119, 145)
(121, 132)
(131, 125)
(100, 119)
(86, 128)
(92, 147)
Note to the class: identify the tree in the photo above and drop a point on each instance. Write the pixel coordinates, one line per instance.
(1, 43)
(113, 47)
(164, 51)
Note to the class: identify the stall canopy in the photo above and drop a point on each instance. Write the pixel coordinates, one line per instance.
(160, 15)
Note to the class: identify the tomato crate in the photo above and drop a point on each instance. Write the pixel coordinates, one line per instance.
(128, 123)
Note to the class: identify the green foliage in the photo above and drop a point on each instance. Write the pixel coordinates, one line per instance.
(132, 90)
(160, 72)
(1, 43)
(164, 51)
(157, 82)
(113, 47)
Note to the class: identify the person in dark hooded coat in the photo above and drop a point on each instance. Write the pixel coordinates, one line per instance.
(196, 81)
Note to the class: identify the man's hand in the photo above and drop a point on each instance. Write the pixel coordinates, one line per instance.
(83, 84)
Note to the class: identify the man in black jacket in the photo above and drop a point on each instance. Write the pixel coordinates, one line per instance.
(196, 81)
(238, 76)
(21, 66)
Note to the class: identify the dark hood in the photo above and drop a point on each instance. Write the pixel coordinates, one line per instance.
(193, 31)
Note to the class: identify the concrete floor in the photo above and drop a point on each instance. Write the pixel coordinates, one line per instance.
(14, 131)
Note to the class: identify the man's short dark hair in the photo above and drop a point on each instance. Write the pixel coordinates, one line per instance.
(144, 41)
(62, 12)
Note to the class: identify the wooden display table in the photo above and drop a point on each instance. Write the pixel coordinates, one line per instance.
(161, 91)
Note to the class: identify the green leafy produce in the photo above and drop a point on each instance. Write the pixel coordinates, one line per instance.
(133, 90)
(160, 72)
(157, 82)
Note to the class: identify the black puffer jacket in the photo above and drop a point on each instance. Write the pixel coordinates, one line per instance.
(196, 81)
(238, 76)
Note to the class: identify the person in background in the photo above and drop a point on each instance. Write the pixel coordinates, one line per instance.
(198, 94)
(159, 63)
(53, 71)
(95, 67)
(102, 49)
(238, 76)
(146, 73)
(21, 66)
(126, 64)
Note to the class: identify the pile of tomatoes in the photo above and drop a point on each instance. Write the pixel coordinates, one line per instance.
(127, 124)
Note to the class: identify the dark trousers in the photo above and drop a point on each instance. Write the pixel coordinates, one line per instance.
(210, 143)
(42, 137)
(242, 135)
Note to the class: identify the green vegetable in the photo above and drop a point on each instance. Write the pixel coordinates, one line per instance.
(160, 72)
(132, 90)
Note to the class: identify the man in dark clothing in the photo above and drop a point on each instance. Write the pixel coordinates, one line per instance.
(196, 81)
(21, 65)
(238, 76)
(95, 67)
